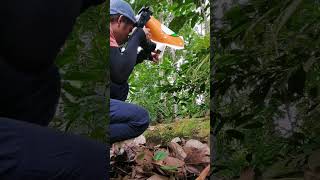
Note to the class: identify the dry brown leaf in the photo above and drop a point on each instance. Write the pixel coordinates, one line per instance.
(171, 161)
(177, 150)
(192, 143)
(136, 171)
(131, 154)
(192, 169)
(140, 140)
(196, 156)
(144, 159)
(139, 172)
(204, 173)
(171, 165)
(127, 146)
(185, 158)
(157, 177)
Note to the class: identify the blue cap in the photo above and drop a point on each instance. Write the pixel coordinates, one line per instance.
(122, 7)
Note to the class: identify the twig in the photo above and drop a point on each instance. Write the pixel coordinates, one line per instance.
(122, 170)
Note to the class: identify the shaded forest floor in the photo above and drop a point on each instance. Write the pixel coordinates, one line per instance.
(177, 150)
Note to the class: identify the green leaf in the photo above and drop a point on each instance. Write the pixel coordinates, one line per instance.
(177, 23)
(169, 168)
(74, 91)
(160, 155)
(194, 20)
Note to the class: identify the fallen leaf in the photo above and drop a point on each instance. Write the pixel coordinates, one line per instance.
(169, 168)
(204, 173)
(140, 140)
(127, 146)
(192, 169)
(160, 155)
(177, 150)
(171, 161)
(176, 140)
(144, 159)
(196, 156)
(198, 145)
(131, 153)
(157, 177)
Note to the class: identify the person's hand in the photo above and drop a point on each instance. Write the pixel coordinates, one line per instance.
(147, 32)
(155, 57)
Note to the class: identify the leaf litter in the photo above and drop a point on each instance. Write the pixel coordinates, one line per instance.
(179, 159)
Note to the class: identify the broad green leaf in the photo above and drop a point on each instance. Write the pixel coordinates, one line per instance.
(160, 155)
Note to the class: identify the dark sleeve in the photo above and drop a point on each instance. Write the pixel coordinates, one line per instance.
(143, 55)
(122, 63)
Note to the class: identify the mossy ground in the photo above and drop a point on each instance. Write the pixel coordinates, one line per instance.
(195, 128)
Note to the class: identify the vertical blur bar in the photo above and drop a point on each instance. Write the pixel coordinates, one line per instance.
(36, 37)
(265, 84)
(83, 62)
(212, 117)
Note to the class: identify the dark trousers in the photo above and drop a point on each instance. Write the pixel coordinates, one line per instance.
(32, 152)
(126, 120)
(29, 151)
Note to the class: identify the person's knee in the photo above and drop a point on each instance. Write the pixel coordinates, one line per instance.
(142, 120)
(145, 117)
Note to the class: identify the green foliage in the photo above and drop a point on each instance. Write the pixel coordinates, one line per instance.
(83, 67)
(266, 71)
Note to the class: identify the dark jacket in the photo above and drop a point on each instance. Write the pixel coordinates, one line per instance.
(31, 35)
(122, 64)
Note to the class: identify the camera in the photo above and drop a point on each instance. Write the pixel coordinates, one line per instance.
(142, 18)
